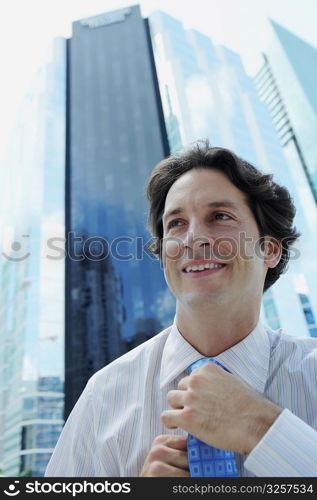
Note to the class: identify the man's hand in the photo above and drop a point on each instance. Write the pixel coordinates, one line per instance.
(167, 457)
(219, 409)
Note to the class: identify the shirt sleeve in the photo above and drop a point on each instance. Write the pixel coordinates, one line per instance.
(76, 453)
(288, 449)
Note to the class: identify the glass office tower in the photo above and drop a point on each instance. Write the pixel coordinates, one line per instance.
(286, 83)
(32, 275)
(206, 90)
(115, 291)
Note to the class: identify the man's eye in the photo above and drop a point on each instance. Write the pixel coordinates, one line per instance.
(220, 213)
(175, 223)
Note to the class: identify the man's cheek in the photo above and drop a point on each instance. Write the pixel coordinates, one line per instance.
(172, 250)
(226, 249)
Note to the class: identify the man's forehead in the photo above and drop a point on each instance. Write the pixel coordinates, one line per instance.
(211, 187)
(205, 183)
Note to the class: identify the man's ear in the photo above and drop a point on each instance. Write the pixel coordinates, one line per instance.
(272, 251)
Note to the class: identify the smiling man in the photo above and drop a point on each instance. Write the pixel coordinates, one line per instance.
(223, 232)
(197, 229)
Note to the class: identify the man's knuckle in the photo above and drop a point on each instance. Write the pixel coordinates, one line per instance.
(195, 380)
(158, 452)
(170, 397)
(165, 419)
(182, 383)
(159, 439)
(190, 397)
(169, 440)
(158, 467)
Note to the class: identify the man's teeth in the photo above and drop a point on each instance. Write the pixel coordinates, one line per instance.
(201, 267)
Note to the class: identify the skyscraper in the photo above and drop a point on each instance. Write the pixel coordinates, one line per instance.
(286, 84)
(116, 134)
(32, 282)
(92, 127)
(209, 94)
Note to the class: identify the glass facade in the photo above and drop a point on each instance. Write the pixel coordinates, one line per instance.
(270, 94)
(293, 62)
(269, 310)
(212, 97)
(116, 294)
(309, 315)
(284, 84)
(32, 280)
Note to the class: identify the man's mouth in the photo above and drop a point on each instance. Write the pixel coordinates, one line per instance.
(202, 267)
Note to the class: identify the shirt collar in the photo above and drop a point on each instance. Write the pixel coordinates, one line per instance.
(248, 360)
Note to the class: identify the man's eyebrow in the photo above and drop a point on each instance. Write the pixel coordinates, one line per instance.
(175, 211)
(213, 204)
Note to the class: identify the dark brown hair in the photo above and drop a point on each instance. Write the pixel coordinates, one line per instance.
(271, 204)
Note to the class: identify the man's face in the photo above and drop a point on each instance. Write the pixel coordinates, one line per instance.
(211, 224)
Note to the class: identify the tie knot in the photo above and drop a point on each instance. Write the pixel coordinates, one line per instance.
(203, 361)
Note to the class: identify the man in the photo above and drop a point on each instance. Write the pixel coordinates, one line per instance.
(223, 231)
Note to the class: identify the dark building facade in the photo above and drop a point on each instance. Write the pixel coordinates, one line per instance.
(115, 136)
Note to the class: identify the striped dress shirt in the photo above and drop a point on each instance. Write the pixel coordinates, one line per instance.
(113, 424)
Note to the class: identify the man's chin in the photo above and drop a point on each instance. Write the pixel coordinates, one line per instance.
(204, 299)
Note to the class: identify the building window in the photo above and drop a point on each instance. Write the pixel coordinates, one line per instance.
(309, 315)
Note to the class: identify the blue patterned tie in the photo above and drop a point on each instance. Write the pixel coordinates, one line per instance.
(205, 460)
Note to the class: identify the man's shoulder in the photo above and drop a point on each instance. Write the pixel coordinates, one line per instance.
(290, 344)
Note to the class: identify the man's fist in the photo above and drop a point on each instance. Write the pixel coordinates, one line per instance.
(219, 409)
(167, 457)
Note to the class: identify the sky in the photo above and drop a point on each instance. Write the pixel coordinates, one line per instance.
(28, 26)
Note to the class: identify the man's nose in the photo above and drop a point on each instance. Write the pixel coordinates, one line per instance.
(197, 236)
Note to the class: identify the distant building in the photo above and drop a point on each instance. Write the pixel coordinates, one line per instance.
(142, 328)
(287, 85)
(32, 217)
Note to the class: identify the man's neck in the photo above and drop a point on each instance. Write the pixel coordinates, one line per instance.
(212, 333)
